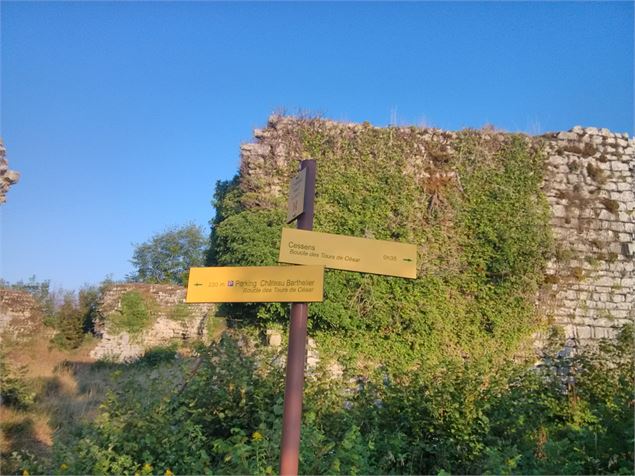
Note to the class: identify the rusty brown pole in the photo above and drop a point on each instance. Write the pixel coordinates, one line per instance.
(294, 384)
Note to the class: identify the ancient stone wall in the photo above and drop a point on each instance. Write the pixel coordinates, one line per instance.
(7, 177)
(20, 314)
(590, 285)
(590, 186)
(122, 346)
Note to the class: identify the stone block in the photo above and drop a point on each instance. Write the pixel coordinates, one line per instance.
(274, 338)
(568, 136)
(604, 281)
(619, 166)
(584, 332)
(559, 211)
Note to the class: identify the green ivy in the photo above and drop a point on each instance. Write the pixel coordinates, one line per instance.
(476, 214)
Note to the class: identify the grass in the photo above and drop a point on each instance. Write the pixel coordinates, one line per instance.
(596, 174)
(69, 387)
(612, 206)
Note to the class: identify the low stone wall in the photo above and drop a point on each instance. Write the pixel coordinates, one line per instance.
(20, 314)
(165, 329)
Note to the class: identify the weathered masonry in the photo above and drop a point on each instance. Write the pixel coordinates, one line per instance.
(7, 177)
(590, 188)
(589, 182)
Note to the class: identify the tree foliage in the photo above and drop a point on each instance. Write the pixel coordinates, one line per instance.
(74, 317)
(167, 257)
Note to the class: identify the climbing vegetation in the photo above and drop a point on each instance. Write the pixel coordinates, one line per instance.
(473, 207)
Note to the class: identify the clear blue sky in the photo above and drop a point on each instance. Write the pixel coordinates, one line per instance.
(121, 116)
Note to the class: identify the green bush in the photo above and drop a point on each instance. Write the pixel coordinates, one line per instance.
(15, 391)
(73, 320)
(158, 355)
(136, 314)
(458, 418)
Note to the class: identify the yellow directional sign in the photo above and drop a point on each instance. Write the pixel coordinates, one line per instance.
(256, 284)
(348, 253)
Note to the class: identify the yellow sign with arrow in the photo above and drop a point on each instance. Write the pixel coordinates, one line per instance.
(256, 284)
(348, 253)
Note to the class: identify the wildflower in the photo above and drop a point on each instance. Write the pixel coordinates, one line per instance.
(25, 472)
(168, 472)
(256, 436)
(63, 466)
(147, 469)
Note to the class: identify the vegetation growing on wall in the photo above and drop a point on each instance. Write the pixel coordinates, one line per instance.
(473, 207)
(136, 313)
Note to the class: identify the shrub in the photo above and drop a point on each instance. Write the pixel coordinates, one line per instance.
(596, 174)
(69, 323)
(459, 417)
(14, 389)
(136, 314)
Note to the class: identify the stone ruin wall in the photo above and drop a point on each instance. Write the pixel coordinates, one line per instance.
(20, 314)
(123, 347)
(7, 177)
(589, 183)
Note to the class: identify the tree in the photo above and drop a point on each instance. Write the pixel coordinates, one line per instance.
(168, 256)
(69, 320)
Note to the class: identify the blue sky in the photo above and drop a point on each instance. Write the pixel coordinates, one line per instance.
(122, 116)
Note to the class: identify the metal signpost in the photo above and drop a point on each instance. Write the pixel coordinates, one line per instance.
(300, 285)
(294, 384)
